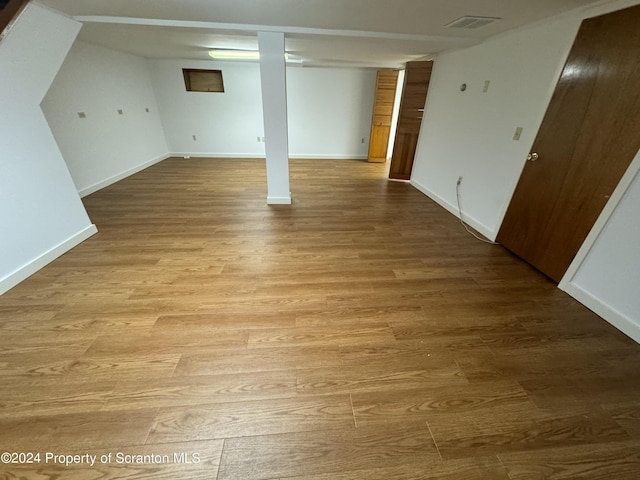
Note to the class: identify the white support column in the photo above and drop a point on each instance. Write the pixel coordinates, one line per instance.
(274, 108)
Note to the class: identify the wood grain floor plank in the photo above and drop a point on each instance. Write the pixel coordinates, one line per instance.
(358, 315)
(18, 314)
(520, 427)
(375, 359)
(619, 460)
(61, 324)
(47, 361)
(365, 378)
(101, 368)
(194, 390)
(165, 343)
(308, 336)
(323, 452)
(76, 430)
(379, 299)
(582, 389)
(483, 468)
(249, 418)
(627, 415)
(403, 353)
(418, 405)
(46, 396)
(224, 320)
(23, 344)
(420, 329)
(226, 361)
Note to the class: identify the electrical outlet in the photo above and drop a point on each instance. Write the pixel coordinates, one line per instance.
(486, 86)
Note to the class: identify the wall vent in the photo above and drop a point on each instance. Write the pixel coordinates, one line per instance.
(469, 22)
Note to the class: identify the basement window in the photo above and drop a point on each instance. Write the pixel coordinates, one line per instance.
(196, 80)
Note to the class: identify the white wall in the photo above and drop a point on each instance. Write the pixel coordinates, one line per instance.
(470, 134)
(105, 146)
(225, 124)
(41, 215)
(329, 111)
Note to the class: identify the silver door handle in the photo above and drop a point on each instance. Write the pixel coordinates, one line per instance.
(532, 157)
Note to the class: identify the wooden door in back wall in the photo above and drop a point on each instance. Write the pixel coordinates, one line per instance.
(587, 140)
(414, 95)
(386, 85)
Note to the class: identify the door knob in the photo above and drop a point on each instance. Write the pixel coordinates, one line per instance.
(532, 157)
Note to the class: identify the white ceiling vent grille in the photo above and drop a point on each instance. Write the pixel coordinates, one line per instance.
(469, 22)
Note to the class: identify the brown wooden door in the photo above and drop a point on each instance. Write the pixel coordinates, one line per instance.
(414, 95)
(589, 136)
(386, 85)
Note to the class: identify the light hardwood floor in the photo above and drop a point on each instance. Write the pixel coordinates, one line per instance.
(358, 334)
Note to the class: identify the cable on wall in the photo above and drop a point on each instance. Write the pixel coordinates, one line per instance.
(466, 227)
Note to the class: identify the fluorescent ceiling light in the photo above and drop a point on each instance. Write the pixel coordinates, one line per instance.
(237, 54)
(234, 54)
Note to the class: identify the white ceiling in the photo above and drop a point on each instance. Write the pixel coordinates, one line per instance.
(368, 33)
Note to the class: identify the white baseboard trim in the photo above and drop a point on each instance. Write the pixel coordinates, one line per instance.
(251, 156)
(116, 178)
(262, 156)
(611, 315)
(328, 157)
(47, 257)
(279, 200)
(453, 209)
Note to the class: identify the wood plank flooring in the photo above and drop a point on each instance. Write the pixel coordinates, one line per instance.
(359, 333)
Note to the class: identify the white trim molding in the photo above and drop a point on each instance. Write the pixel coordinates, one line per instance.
(255, 156)
(120, 176)
(279, 200)
(188, 155)
(611, 315)
(327, 157)
(43, 260)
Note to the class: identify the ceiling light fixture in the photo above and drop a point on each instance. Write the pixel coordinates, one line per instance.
(218, 54)
(234, 54)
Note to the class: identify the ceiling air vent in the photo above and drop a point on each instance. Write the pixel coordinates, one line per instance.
(469, 22)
